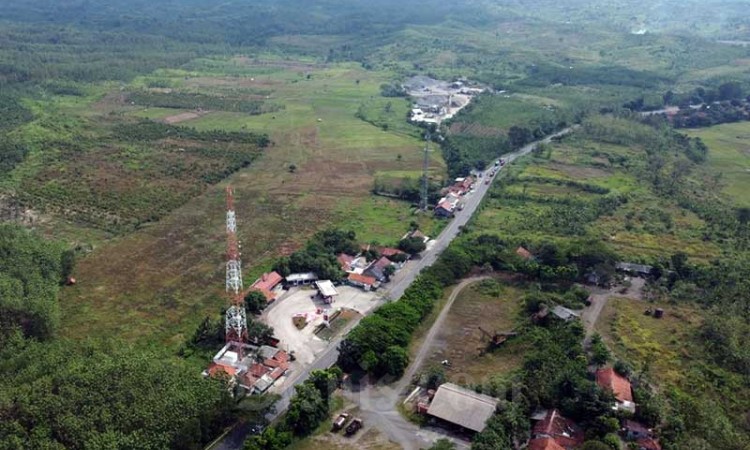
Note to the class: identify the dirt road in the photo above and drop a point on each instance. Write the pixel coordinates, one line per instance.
(378, 403)
(599, 300)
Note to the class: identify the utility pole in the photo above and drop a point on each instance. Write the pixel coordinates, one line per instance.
(425, 171)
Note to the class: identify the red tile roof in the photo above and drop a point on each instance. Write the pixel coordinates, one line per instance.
(544, 444)
(215, 369)
(382, 263)
(387, 251)
(609, 380)
(648, 444)
(523, 253)
(258, 370)
(278, 372)
(281, 355)
(267, 281)
(564, 431)
(345, 261)
(363, 279)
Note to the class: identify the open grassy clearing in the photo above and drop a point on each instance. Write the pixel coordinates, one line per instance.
(163, 279)
(729, 155)
(493, 305)
(661, 347)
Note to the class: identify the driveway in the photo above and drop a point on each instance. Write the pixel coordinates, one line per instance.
(599, 299)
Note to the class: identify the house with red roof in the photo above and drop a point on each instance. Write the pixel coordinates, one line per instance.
(566, 433)
(363, 281)
(267, 284)
(611, 381)
(345, 261)
(447, 205)
(377, 269)
(544, 443)
(461, 186)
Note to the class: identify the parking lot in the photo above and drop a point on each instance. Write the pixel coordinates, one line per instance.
(299, 301)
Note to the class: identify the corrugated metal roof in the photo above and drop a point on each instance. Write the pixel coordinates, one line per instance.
(462, 407)
(326, 288)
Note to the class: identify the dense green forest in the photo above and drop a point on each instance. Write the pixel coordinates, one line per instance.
(58, 394)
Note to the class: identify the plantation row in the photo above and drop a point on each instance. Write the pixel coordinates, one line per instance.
(188, 100)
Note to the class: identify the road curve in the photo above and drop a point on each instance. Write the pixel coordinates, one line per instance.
(396, 288)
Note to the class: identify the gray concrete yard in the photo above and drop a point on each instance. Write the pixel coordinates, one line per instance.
(304, 343)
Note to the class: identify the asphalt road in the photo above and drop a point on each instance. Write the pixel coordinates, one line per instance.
(396, 288)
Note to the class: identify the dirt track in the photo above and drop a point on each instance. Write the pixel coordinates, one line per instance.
(599, 299)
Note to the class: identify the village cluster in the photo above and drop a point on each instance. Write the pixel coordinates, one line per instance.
(466, 411)
(300, 306)
(436, 100)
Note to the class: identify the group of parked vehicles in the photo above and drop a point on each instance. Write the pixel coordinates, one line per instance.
(354, 426)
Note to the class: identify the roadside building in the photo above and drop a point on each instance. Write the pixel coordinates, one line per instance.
(390, 252)
(326, 290)
(565, 432)
(634, 269)
(345, 261)
(611, 381)
(462, 407)
(377, 269)
(461, 186)
(268, 284)
(299, 279)
(363, 281)
(564, 313)
(256, 371)
(447, 206)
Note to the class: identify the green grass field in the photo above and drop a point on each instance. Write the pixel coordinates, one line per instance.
(161, 280)
(729, 155)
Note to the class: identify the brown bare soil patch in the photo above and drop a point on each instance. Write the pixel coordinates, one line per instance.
(231, 82)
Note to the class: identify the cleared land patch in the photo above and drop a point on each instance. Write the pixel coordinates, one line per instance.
(493, 306)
